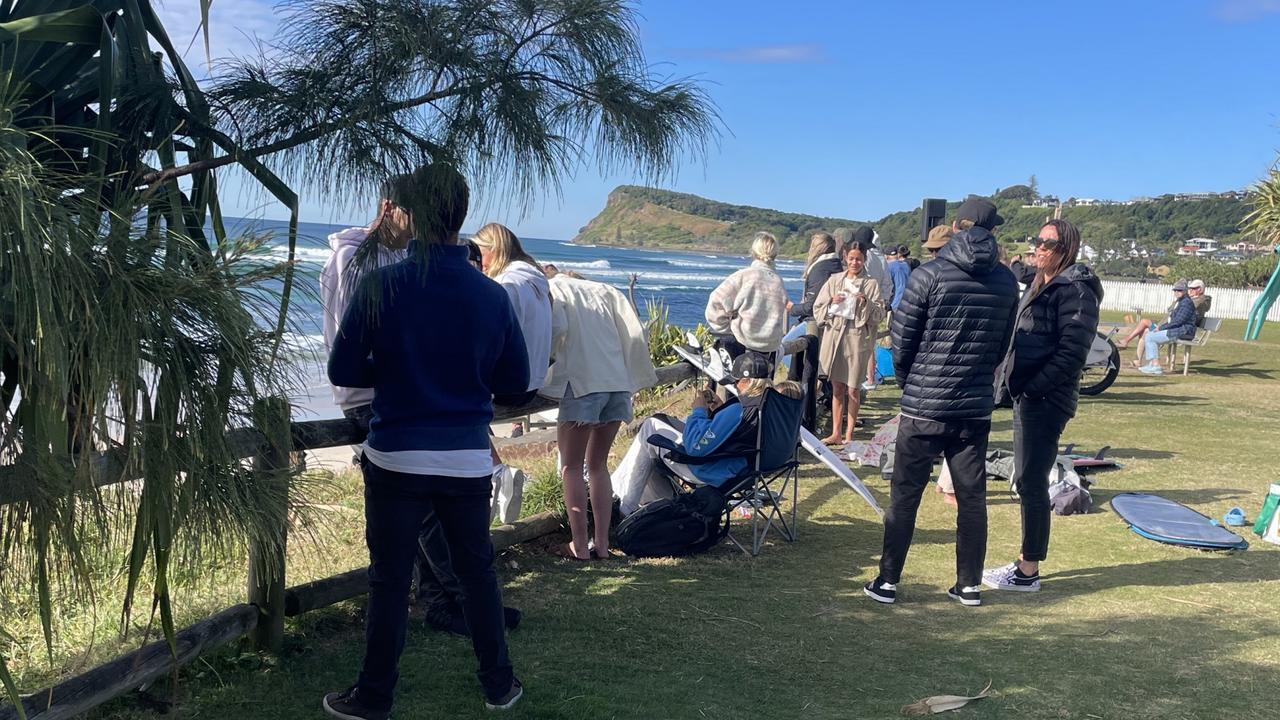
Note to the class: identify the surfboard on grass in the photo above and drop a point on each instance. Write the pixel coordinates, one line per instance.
(716, 370)
(1166, 521)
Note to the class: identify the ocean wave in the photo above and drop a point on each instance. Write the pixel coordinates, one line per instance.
(304, 255)
(710, 266)
(575, 245)
(575, 265)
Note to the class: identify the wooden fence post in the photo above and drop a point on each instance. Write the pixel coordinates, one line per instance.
(267, 555)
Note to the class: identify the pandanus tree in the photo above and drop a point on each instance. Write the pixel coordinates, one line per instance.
(136, 330)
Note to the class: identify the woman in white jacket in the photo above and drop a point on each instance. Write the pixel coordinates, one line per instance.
(504, 259)
(601, 358)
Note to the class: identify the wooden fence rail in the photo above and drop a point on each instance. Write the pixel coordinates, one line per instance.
(270, 601)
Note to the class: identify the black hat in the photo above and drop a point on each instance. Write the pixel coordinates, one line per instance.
(904, 251)
(749, 366)
(864, 237)
(981, 211)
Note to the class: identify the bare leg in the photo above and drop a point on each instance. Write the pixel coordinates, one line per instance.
(839, 397)
(601, 487)
(1138, 330)
(852, 411)
(871, 368)
(572, 439)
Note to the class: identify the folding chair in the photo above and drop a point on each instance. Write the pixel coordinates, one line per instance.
(772, 472)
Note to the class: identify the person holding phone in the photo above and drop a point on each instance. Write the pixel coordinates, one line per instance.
(850, 308)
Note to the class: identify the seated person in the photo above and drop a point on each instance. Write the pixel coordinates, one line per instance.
(1181, 326)
(711, 428)
(1203, 302)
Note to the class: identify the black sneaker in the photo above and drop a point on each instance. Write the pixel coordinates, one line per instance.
(347, 705)
(511, 617)
(509, 700)
(970, 596)
(881, 591)
(445, 619)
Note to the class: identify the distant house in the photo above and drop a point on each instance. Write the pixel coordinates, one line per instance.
(1088, 253)
(1083, 202)
(1245, 247)
(1201, 247)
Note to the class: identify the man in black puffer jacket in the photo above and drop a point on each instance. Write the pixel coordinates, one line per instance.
(949, 334)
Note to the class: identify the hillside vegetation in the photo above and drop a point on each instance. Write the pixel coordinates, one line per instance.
(647, 217)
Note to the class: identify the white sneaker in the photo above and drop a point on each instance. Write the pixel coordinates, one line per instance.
(1009, 577)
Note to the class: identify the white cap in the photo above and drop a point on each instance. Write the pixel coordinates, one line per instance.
(1197, 283)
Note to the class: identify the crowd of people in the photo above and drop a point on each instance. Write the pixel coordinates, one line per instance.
(965, 335)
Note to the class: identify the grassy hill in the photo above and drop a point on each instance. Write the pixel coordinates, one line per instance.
(647, 217)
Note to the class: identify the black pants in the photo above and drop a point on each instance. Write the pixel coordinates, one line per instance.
(964, 444)
(395, 506)
(1037, 428)
(438, 588)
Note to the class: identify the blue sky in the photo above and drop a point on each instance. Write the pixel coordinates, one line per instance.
(858, 109)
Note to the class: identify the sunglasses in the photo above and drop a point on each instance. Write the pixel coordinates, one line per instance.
(1046, 243)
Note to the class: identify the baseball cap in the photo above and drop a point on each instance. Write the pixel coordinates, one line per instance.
(1180, 286)
(981, 211)
(750, 365)
(1197, 284)
(904, 251)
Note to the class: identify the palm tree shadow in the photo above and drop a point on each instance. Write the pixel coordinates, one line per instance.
(1243, 369)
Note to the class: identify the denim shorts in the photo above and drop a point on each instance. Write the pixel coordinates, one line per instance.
(595, 408)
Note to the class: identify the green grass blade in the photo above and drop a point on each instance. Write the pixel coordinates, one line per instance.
(10, 687)
(78, 26)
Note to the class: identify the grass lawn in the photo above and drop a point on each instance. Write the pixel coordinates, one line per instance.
(1124, 628)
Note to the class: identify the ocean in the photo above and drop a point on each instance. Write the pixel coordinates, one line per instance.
(680, 280)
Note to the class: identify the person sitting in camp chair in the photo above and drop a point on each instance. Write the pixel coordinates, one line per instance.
(727, 431)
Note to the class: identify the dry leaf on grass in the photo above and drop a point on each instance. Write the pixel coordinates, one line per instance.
(943, 703)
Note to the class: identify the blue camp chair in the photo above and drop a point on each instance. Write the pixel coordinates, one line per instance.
(772, 472)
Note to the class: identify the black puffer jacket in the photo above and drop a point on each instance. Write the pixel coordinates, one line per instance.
(951, 330)
(819, 274)
(1051, 339)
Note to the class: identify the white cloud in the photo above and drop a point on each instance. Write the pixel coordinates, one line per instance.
(1246, 10)
(764, 54)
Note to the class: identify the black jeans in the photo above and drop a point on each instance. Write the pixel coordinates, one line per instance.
(1037, 428)
(395, 505)
(438, 588)
(964, 444)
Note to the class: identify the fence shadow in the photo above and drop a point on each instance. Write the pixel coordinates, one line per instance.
(1147, 398)
(1244, 369)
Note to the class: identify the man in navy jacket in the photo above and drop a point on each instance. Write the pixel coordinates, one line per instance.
(434, 375)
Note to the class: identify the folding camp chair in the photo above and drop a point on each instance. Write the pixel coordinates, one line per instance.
(772, 472)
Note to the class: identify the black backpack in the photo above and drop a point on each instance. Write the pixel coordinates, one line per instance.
(683, 525)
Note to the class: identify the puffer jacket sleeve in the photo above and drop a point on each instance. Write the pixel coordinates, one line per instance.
(1076, 310)
(822, 302)
(907, 328)
(1022, 272)
(813, 285)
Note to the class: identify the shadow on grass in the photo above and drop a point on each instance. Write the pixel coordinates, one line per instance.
(1244, 369)
(1139, 454)
(1196, 568)
(1197, 496)
(1146, 398)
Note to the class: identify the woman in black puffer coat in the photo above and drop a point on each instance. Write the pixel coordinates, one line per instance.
(1056, 324)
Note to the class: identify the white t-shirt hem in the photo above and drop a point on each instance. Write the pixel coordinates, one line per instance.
(448, 463)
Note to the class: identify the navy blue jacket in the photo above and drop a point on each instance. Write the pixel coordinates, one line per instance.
(435, 339)
(1182, 320)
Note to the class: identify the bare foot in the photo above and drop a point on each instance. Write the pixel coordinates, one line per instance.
(950, 499)
(832, 440)
(1122, 344)
(567, 551)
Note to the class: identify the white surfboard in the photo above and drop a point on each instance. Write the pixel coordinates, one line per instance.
(715, 368)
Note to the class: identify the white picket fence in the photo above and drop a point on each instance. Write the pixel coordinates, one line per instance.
(1155, 298)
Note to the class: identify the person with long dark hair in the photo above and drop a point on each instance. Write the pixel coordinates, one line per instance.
(434, 375)
(1057, 320)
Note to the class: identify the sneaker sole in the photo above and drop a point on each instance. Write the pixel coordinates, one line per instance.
(509, 704)
(879, 598)
(962, 601)
(1014, 588)
(339, 714)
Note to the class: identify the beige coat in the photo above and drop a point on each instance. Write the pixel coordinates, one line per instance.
(847, 343)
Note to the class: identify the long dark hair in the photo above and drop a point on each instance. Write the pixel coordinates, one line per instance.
(1065, 252)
